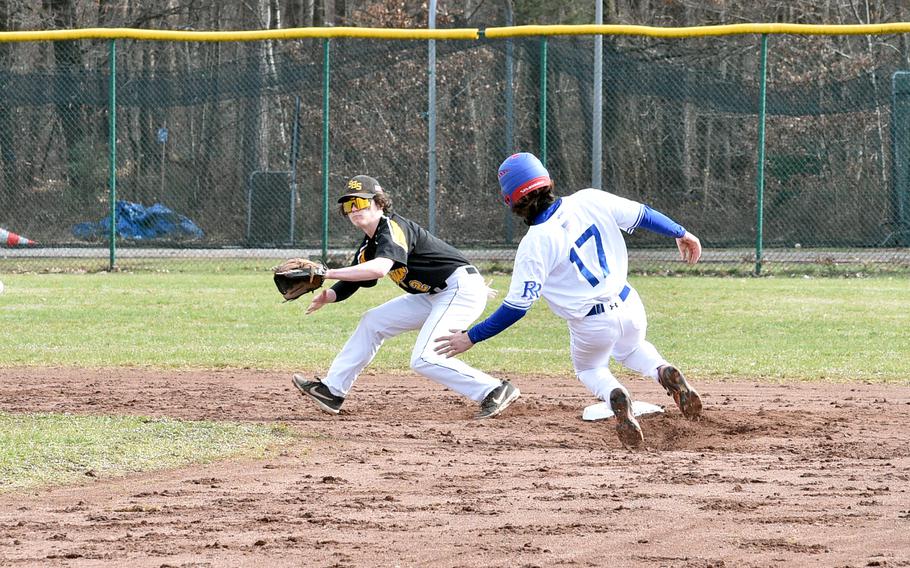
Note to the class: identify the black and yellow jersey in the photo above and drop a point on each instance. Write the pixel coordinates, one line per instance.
(422, 262)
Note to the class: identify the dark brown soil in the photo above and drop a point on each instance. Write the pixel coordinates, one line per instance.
(773, 475)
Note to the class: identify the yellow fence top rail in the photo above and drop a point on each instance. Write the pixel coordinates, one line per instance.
(700, 31)
(252, 35)
(458, 33)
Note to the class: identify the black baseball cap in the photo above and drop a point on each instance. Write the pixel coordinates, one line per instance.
(361, 186)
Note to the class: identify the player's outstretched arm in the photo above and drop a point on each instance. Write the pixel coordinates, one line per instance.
(462, 340)
(369, 270)
(688, 244)
(689, 247)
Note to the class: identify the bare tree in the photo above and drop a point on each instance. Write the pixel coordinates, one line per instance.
(7, 147)
(68, 57)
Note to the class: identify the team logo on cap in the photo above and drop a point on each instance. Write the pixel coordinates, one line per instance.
(355, 185)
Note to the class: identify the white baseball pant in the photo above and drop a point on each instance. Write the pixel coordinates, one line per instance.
(618, 332)
(456, 307)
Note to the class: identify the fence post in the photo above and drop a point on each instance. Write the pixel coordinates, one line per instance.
(760, 181)
(597, 111)
(900, 160)
(510, 111)
(112, 151)
(325, 149)
(543, 100)
(431, 123)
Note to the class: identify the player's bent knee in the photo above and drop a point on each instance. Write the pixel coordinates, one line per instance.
(425, 361)
(418, 363)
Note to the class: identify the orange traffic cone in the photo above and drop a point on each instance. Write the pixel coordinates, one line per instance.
(11, 239)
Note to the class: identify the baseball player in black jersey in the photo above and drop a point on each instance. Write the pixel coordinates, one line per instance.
(443, 292)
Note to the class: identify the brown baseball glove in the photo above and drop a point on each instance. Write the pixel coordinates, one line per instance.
(297, 276)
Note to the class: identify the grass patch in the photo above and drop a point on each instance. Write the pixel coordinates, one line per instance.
(773, 327)
(53, 449)
(811, 329)
(773, 269)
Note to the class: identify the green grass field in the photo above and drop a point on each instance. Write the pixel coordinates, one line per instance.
(763, 328)
(41, 449)
(746, 328)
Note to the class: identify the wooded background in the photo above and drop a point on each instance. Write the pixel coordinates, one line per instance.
(274, 14)
(680, 116)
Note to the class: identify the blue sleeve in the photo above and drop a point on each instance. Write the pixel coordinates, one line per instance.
(657, 222)
(503, 317)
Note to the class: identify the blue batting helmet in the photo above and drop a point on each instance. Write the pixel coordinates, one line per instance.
(519, 175)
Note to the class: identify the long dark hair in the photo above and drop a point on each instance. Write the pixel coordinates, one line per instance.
(384, 202)
(531, 205)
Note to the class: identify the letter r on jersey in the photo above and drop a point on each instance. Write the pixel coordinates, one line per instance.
(532, 290)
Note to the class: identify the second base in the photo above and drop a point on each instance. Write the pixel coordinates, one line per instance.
(602, 410)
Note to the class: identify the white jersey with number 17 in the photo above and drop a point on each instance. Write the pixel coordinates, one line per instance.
(577, 257)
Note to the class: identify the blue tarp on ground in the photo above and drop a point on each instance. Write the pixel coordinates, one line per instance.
(137, 222)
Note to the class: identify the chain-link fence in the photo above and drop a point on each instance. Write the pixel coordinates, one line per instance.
(220, 147)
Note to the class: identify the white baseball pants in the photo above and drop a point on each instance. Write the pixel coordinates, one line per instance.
(618, 332)
(456, 307)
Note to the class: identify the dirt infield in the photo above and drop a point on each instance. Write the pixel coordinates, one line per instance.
(773, 475)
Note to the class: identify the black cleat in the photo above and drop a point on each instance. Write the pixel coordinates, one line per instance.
(627, 427)
(678, 387)
(498, 400)
(320, 394)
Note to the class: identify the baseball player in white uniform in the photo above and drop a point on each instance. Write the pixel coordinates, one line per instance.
(574, 256)
(443, 291)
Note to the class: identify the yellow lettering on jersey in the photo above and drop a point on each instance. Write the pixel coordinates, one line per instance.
(398, 235)
(417, 285)
(398, 274)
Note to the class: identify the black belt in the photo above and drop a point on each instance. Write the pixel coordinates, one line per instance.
(467, 268)
(600, 308)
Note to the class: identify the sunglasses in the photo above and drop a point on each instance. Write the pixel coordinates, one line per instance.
(355, 203)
